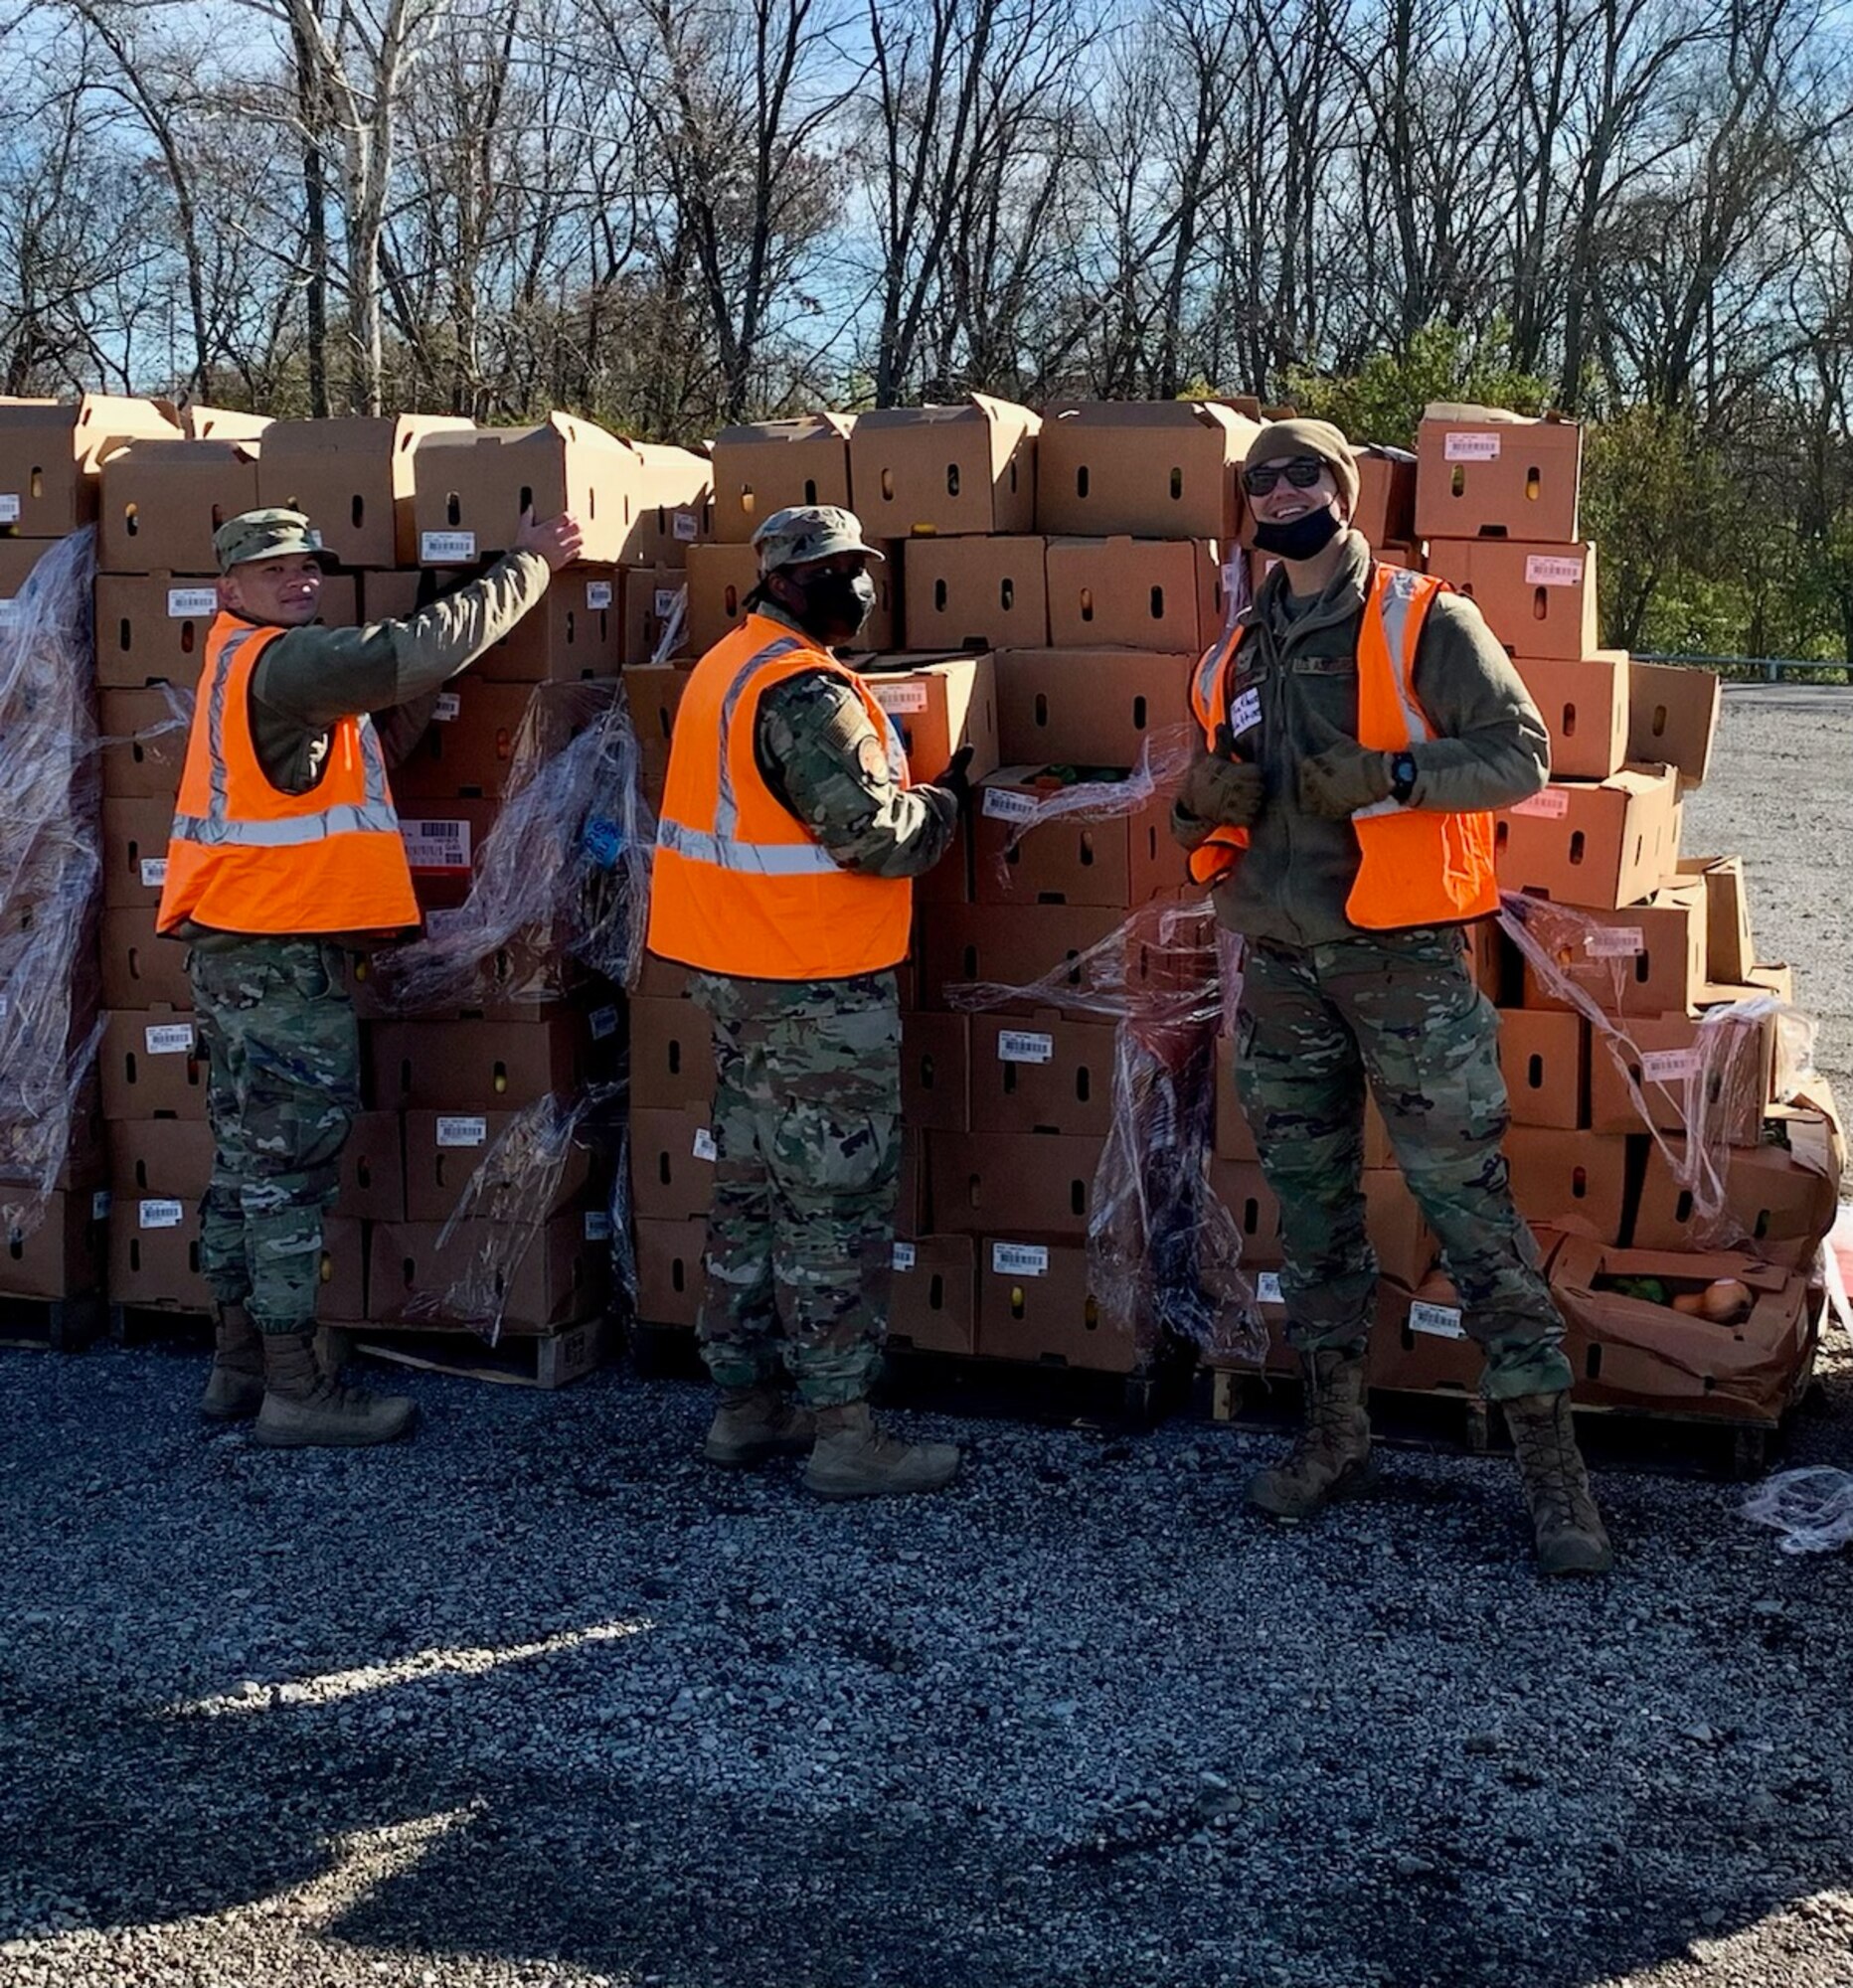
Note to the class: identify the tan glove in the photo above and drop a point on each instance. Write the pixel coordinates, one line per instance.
(1344, 778)
(1226, 794)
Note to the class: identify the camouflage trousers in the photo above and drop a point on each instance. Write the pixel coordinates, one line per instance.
(1399, 1011)
(807, 1162)
(283, 1085)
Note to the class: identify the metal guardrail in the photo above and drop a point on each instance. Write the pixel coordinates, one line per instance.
(1772, 667)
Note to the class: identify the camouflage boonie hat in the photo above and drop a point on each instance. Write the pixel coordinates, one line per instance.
(803, 532)
(256, 535)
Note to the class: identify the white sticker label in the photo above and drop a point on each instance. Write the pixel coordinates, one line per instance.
(1669, 1066)
(1246, 713)
(1002, 804)
(1614, 942)
(903, 1255)
(169, 1038)
(438, 923)
(597, 1225)
(1442, 1320)
(442, 547)
(898, 699)
(1019, 1260)
(100, 1204)
(1541, 569)
(153, 872)
(1551, 806)
(186, 603)
(1267, 1288)
(161, 1214)
(9, 507)
(604, 1022)
(597, 594)
(705, 1149)
(663, 602)
(449, 706)
(1024, 1045)
(1475, 447)
(435, 845)
(462, 1131)
(684, 527)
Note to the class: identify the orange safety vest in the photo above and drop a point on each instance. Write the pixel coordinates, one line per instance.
(740, 886)
(1415, 866)
(245, 856)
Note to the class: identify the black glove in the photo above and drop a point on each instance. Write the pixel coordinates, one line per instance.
(955, 780)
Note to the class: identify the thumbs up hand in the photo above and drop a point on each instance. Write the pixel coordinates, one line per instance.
(1344, 778)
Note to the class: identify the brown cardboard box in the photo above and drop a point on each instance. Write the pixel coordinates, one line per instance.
(1013, 945)
(1484, 472)
(671, 1162)
(1630, 1353)
(161, 1156)
(1404, 1243)
(671, 1055)
(224, 424)
(1775, 1206)
(945, 470)
(932, 1305)
(151, 1065)
(1089, 706)
(1673, 718)
(1645, 959)
(1386, 512)
(577, 631)
(49, 452)
(1603, 845)
(152, 627)
(1243, 1189)
(480, 1066)
(936, 1073)
(940, 703)
(1420, 1343)
(162, 501)
(136, 836)
(653, 691)
(651, 597)
(1545, 1060)
(469, 748)
(669, 1269)
(1027, 1183)
(976, 594)
(140, 968)
(1035, 1304)
(1154, 469)
(720, 578)
(1730, 949)
(1123, 861)
(1573, 1180)
(154, 1255)
(1584, 705)
(145, 733)
(373, 1169)
(18, 557)
(1538, 599)
(763, 467)
(353, 478)
(677, 509)
(1136, 594)
(1730, 1065)
(443, 1149)
(66, 1256)
(442, 841)
(1045, 1074)
(564, 1278)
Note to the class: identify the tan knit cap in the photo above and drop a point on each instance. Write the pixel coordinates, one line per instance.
(1280, 439)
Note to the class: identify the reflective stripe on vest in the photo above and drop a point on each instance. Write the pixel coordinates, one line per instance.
(1395, 600)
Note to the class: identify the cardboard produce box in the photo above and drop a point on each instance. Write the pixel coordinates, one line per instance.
(1673, 718)
(373, 1169)
(1243, 1189)
(1599, 846)
(1386, 512)
(720, 578)
(1035, 1304)
(651, 598)
(1420, 1343)
(18, 557)
(670, 1276)
(1585, 706)
(152, 627)
(443, 1149)
(481, 1066)
(976, 592)
(162, 501)
(1729, 948)
(1576, 1182)
(1647, 958)
(442, 840)
(933, 1303)
(939, 704)
(1538, 599)
(1012, 945)
(136, 836)
(1775, 1206)
(945, 470)
(761, 467)
(472, 747)
(935, 1072)
(672, 1157)
(1545, 1060)
(224, 423)
(1153, 469)
(66, 1257)
(154, 1260)
(51, 452)
(577, 631)
(1043, 1073)
(1398, 1232)
(151, 1064)
(1486, 474)
(671, 1055)
(563, 1279)
(141, 969)
(1721, 1073)
(1120, 862)
(161, 1156)
(144, 735)
(1089, 706)
(1030, 1183)
(353, 479)
(1136, 594)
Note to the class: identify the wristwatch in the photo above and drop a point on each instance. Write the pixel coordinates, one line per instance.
(1402, 777)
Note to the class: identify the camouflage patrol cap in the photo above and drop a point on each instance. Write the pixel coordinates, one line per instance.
(257, 535)
(804, 531)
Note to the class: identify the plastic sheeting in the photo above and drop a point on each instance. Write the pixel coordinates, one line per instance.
(1811, 1508)
(51, 871)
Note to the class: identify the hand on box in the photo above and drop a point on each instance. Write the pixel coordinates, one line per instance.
(1226, 792)
(558, 541)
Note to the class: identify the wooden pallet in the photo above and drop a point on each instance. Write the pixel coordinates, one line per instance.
(664, 1352)
(1025, 1391)
(154, 1325)
(548, 1360)
(55, 1325)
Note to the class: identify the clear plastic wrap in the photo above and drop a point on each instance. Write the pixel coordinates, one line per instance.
(1811, 1508)
(675, 623)
(564, 873)
(51, 871)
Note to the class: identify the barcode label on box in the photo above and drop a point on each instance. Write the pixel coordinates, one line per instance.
(439, 924)
(597, 1225)
(1267, 1288)
(100, 1204)
(435, 845)
(1470, 448)
(604, 1022)
(1541, 569)
(1614, 942)
(1024, 1045)
(1019, 1260)
(462, 1131)
(449, 706)
(169, 1038)
(903, 1255)
(439, 548)
(1669, 1066)
(684, 527)
(161, 1214)
(898, 699)
(1442, 1320)
(9, 507)
(186, 603)
(1001, 804)
(705, 1149)
(663, 602)
(153, 872)
(597, 594)
(1551, 806)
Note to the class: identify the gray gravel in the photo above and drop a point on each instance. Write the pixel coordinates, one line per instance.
(539, 1700)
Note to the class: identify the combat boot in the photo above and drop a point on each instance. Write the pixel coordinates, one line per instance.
(856, 1459)
(753, 1425)
(1332, 1457)
(1569, 1534)
(307, 1408)
(235, 1387)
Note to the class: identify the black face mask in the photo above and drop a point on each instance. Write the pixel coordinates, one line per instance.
(836, 605)
(1301, 538)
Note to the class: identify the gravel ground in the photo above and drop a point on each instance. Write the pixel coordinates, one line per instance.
(541, 1700)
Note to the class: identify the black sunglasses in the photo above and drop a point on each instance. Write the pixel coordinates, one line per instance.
(1303, 472)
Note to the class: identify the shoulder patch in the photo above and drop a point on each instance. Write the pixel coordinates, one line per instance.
(872, 757)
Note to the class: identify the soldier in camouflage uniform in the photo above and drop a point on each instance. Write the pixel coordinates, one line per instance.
(1328, 1008)
(808, 1102)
